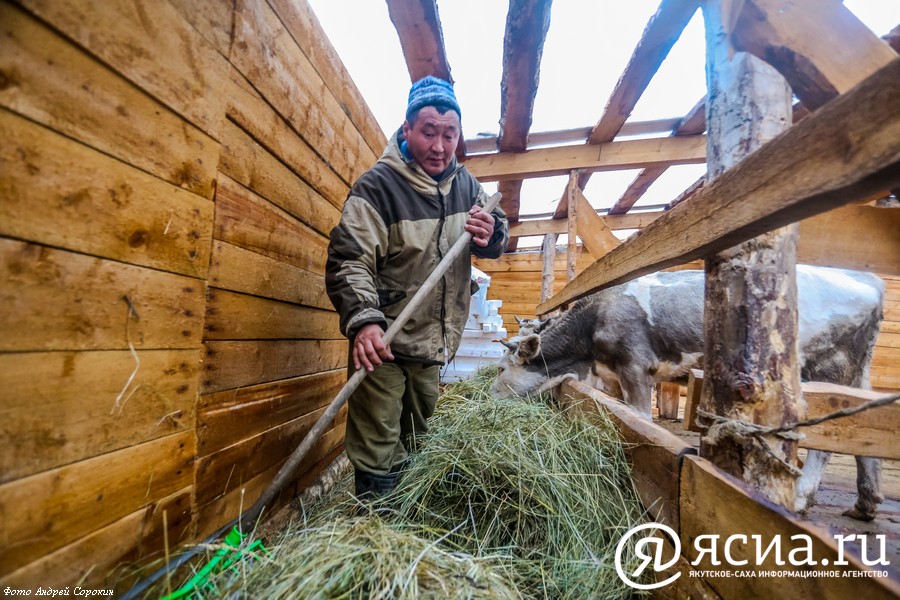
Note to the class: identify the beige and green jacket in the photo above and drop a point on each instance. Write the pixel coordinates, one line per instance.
(396, 225)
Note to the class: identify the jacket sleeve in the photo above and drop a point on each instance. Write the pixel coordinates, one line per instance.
(500, 238)
(356, 246)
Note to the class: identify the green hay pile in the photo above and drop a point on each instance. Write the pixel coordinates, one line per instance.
(547, 495)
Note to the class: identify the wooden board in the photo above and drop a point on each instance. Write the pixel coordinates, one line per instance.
(251, 165)
(234, 268)
(715, 503)
(611, 156)
(97, 559)
(655, 454)
(231, 416)
(233, 316)
(249, 221)
(832, 239)
(211, 18)
(60, 86)
(872, 432)
(150, 44)
(614, 222)
(57, 300)
(801, 39)
(660, 34)
(270, 59)
(236, 364)
(62, 407)
(65, 194)
(254, 115)
(227, 507)
(300, 20)
(46, 511)
(228, 469)
(811, 168)
(593, 231)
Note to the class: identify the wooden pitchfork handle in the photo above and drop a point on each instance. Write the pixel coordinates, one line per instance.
(294, 460)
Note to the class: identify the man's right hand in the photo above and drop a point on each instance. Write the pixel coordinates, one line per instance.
(368, 349)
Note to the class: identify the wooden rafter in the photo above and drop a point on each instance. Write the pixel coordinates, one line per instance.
(628, 154)
(799, 39)
(839, 154)
(561, 136)
(635, 220)
(418, 26)
(693, 123)
(662, 31)
(523, 45)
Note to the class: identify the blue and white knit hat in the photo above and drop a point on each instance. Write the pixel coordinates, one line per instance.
(431, 91)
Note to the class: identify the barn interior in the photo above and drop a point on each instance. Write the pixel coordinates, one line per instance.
(169, 175)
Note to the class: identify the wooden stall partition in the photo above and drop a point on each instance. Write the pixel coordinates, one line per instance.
(715, 504)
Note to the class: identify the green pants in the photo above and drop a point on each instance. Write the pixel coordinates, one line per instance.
(389, 408)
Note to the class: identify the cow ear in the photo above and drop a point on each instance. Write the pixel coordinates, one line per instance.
(529, 347)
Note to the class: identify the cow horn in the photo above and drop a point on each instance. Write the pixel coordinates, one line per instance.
(518, 320)
(511, 345)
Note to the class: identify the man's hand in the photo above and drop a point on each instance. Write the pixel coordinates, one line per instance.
(368, 349)
(480, 225)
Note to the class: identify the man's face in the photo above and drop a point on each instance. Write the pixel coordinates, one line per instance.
(432, 139)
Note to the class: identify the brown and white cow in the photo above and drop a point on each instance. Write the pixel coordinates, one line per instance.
(650, 330)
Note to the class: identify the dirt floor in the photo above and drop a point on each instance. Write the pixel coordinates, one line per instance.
(837, 493)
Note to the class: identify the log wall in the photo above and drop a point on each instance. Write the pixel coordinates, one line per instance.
(516, 280)
(169, 172)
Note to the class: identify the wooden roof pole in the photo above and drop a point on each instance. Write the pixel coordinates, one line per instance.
(527, 22)
(418, 26)
(751, 329)
(660, 34)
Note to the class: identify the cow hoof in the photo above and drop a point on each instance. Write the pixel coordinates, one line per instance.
(859, 515)
(804, 502)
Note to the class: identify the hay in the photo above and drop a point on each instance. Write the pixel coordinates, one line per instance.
(503, 499)
(547, 495)
(363, 557)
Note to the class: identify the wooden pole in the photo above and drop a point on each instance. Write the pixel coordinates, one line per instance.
(572, 244)
(548, 254)
(750, 315)
(284, 474)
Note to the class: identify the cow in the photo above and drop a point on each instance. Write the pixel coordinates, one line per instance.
(650, 330)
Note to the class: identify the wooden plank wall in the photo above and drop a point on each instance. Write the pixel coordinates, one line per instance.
(169, 172)
(516, 280)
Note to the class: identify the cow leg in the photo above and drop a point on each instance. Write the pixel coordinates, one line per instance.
(808, 483)
(868, 486)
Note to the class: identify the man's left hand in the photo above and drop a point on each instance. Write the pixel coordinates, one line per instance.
(480, 225)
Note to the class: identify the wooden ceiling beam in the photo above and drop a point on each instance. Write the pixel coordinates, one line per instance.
(535, 227)
(559, 160)
(821, 48)
(845, 151)
(662, 31)
(418, 26)
(693, 123)
(488, 143)
(527, 22)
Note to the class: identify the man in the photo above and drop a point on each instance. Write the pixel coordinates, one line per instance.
(399, 220)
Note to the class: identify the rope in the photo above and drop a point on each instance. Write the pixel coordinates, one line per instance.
(752, 433)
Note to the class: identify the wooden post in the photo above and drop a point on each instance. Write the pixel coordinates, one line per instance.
(750, 319)
(548, 253)
(572, 245)
(668, 395)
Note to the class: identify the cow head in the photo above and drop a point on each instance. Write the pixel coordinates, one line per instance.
(529, 326)
(517, 374)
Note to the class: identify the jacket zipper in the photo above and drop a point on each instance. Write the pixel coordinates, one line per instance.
(443, 217)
